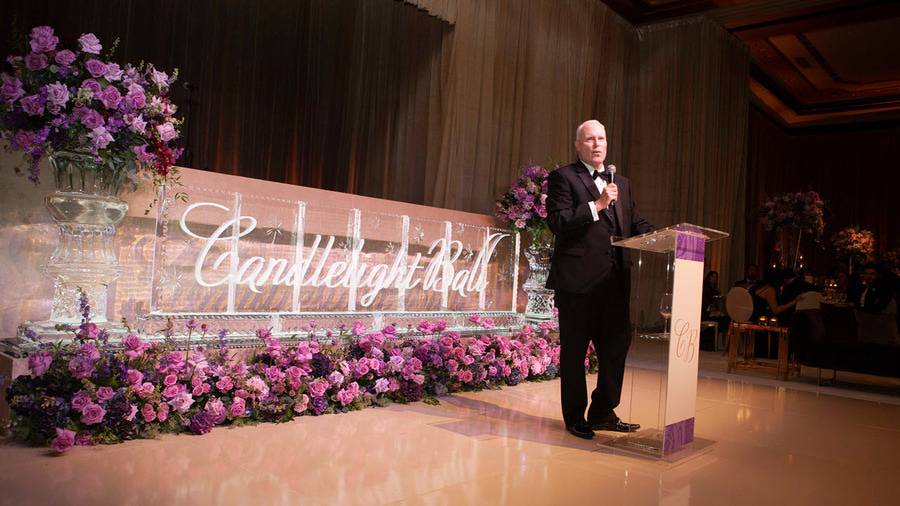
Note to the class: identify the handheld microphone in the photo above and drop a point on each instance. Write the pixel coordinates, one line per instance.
(612, 179)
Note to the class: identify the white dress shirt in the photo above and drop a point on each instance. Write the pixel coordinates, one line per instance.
(601, 185)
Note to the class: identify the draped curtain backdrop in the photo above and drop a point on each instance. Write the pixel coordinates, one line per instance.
(689, 135)
(441, 101)
(334, 94)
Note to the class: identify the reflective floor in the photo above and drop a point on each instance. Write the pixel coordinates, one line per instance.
(772, 446)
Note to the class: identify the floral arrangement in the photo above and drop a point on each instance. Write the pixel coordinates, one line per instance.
(62, 100)
(85, 392)
(804, 210)
(854, 244)
(524, 205)
(892, 259)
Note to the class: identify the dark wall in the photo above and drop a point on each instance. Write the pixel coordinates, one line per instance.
(854, 168)
(324, 93)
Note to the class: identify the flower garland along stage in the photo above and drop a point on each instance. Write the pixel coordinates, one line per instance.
(87, 392)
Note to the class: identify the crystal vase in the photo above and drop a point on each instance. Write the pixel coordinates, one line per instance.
(540, 299)
(86, 209)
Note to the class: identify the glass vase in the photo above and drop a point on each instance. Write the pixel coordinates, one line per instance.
(86, 209)
(540, 299)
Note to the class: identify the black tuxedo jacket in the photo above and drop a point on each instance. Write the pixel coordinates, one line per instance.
(583, 255)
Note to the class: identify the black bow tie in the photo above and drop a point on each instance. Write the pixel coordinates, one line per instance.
(606, 176)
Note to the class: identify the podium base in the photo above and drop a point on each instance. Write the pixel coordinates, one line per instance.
(649, 443)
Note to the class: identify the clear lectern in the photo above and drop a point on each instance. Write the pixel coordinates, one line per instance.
(678, 291)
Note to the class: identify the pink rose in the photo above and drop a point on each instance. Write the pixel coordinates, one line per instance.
(318, 387)
(237, 408)
(171, 391)
(148, 412)
(225, 384)
(170, 380)
(92, 414)
(181, 402)
(133, 376)
(301, 405)
(162, 413)
(63, 441)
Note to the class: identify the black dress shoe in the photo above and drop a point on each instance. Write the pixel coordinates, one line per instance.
(615, 425)
(581, 430)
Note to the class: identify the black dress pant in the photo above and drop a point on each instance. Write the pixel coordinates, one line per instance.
(601, 317)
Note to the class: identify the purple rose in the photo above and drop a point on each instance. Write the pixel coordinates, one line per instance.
(105, 393)
(11, 89)
(90, 43)
(43, 40)
(181, 402)
(96, 67)
(336, 378)
(34, 61)
(33, 105)
(166, 132)
(57, 94)
(84, 439)
(110, 97)
(92, 414)
(92, 85)
(319, 405)
(40, 362)
(81, 367)
(63, 441)
(132, 411)
(381, 385)
(216, 411)
(91, 118)
(65, 57)
(135, 98)
(134, 347)
(100, 137)
(114, 72)
(80, 400)
(201, 423)
(237, 408)
(160, 79)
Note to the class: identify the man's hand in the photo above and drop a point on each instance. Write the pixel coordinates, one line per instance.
(610, 193)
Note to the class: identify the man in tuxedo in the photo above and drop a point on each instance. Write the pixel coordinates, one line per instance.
(586, 207)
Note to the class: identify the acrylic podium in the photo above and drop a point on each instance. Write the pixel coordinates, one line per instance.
(678, 295)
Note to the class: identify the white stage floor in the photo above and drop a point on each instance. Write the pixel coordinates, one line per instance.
(774, 444)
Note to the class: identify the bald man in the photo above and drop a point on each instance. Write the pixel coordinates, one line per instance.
(586, 208)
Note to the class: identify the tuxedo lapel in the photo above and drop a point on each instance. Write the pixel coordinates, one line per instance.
(619, 214)
(587, 180)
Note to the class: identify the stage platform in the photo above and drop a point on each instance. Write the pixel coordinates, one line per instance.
(773, 444)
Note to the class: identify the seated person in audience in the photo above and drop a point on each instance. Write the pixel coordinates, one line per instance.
(765, 303)
(877, 294)
(794, 285)
(751, 277)
(711, 310)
